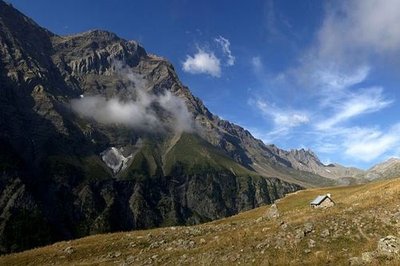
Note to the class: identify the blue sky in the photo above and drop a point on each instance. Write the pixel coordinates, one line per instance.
(311, 74)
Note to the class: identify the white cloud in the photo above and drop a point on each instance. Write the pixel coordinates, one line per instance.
(206, 61)
(358, 26)
(203, 63)
(355, 34)
(225, 45)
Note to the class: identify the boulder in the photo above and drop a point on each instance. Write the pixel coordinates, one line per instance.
(389, 246)
(272, 212)
(325, 233)
(308, 228)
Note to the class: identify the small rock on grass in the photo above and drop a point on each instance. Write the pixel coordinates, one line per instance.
(308, 228)
(272, 212)
(69, 250)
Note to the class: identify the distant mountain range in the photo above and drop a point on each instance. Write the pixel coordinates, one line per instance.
(98, 135)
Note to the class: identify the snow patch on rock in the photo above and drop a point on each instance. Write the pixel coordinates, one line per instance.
(114, 159)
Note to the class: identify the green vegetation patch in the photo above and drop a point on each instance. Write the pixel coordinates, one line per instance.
(193, 155)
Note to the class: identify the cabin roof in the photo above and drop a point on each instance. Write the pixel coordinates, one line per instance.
(318, 200)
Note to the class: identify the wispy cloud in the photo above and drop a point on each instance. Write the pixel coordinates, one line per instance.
(225, 45)
(357, 144)
(331, 84)
(351, 105)
(329, 124)
(283, 120)
(257, 65)
(202, 62)
(367, 144)
(334, 81)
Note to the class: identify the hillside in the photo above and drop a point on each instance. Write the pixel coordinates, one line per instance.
(354, 231)
(385, 170)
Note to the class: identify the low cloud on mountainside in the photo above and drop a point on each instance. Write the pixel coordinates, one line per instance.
(137, 112)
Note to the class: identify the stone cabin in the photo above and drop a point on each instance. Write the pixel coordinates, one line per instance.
(324, 201)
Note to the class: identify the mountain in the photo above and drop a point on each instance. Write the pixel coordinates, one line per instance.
(385, 170)
(97, 135)
(361, 229)
(306, 160)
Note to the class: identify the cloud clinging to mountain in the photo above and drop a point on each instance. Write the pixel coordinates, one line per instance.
(140, 110)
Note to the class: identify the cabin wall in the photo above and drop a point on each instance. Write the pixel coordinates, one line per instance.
(325, 204)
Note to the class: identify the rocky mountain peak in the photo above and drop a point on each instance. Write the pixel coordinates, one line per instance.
(95, 52)
(304, 155)
(97, 35)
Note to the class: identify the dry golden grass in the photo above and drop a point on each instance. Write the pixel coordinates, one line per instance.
(360, 218)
